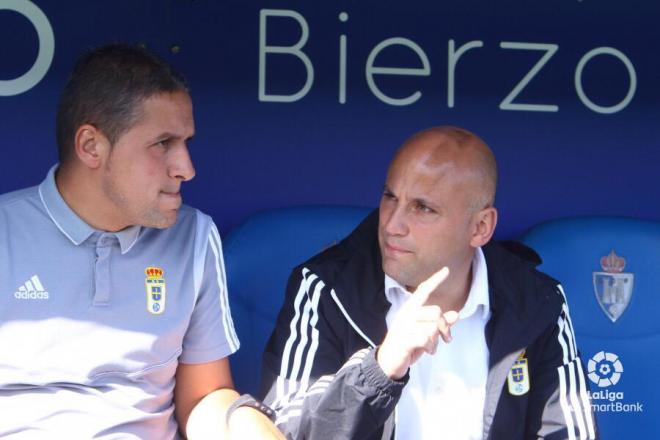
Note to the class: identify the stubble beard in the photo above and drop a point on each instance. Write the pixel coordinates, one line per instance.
(141, 214)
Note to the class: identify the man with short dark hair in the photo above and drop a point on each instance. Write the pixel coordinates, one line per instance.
(118, 325)
(356, 352)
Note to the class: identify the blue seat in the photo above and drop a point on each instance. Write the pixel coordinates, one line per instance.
(610, 270)
(259, 256)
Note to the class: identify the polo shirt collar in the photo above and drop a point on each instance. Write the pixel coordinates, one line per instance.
(68, 222)
(478, 298)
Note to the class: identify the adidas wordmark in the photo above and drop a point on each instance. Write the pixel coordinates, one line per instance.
(31, 289)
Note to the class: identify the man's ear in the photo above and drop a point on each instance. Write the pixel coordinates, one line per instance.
(484, 222)
(91, 146)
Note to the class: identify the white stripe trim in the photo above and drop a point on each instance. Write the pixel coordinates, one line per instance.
(293, 336)
(348, 318)
(224, 306)
(315, 391)
(561, 291)
(286, 417)
(200, 251)
(309, 360)
(569, 334)
(225, 294)
(586, 403)
(570, 428)
(357, 358)
(304, 338)
(323, 381)
(575, 402)
(560, 337)
(570, 326)
(41, 196)
(567, 314)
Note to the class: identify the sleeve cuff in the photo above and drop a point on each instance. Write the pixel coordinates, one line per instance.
(377, 378)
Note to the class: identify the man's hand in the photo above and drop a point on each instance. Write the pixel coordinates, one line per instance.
(415, 329)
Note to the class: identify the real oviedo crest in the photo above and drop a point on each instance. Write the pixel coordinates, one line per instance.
(155, 285)
(613, 287)
(518, 377)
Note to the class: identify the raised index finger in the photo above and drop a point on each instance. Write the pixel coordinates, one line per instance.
(423, 291)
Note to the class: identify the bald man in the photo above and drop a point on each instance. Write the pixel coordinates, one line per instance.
(418, 326)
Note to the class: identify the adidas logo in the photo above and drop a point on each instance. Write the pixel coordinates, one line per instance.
(32, 289)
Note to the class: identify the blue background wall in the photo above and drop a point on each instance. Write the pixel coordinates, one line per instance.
(252, 155)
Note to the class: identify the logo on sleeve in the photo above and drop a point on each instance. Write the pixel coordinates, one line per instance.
(518, 379)
(155, 285)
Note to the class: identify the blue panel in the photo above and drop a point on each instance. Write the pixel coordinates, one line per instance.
(578, 252)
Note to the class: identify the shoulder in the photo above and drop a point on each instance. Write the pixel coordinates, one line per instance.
(11, 199)
(513, 274)
(21, 207)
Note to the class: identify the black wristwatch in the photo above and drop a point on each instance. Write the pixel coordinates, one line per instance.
(248, 400)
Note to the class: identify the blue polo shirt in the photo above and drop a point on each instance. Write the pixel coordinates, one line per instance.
(93, 324)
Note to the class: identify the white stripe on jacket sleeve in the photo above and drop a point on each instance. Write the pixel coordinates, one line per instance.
(573, 398)
(293, 344)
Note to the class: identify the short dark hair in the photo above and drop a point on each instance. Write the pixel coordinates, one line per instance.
(107, 88)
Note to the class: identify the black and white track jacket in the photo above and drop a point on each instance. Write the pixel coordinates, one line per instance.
(319, 368)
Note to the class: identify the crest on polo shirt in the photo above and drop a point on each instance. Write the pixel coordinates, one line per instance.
(518, 379)
(155, 285)
(613, 287)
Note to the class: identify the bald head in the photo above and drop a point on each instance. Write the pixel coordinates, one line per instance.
(458, 155)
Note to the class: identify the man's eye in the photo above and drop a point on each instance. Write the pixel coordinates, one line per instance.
(164, 142)
(423, 208)
(388, 196)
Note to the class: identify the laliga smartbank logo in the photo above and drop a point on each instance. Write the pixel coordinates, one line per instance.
(605, 370)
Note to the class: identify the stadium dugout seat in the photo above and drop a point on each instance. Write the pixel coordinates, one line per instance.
(610, 271)
(259, 256)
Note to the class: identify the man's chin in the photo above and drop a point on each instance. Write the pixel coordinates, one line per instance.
(395, 272)
(162, 220)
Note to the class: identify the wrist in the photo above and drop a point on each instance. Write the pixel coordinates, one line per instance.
(244, 417)
(248, 405)
(394, 372)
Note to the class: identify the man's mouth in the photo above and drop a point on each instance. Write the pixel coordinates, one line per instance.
(389, 248)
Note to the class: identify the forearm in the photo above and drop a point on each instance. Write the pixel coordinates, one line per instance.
(207, 418)
(365, 394)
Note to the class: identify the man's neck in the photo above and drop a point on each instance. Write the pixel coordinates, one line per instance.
(80, 194)
(454, 292)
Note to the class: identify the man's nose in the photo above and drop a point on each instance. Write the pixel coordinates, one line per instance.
(181, 166)
(396, 221)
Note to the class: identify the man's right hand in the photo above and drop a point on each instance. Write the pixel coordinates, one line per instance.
(415, 329)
